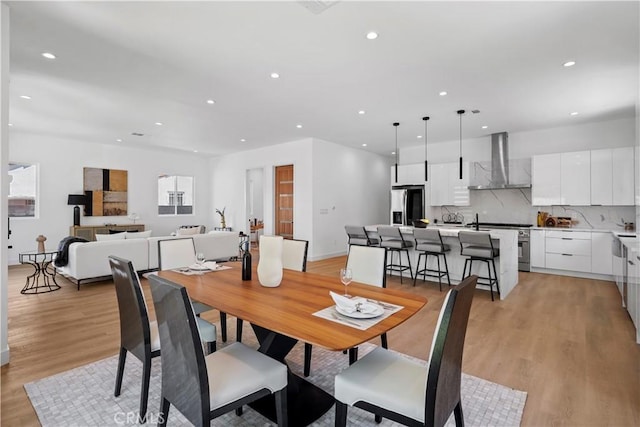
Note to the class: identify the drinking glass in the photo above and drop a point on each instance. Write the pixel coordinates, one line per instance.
(345, 278)
(200, 259)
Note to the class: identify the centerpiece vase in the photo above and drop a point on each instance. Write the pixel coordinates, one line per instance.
(270, 262)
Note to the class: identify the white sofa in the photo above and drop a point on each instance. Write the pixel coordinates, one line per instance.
(90, 260)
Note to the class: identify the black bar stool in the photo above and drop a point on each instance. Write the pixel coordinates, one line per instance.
(429, 243)
(392, 239)
(477, 246)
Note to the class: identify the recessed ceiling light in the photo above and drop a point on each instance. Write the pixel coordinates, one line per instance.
(443, 93)
(275, 75)
(372, 35)
(485, 126)
(361, 112)
(158, 123)
(575, 113)
(195, 151)
(243, 140)
(10, 124)
(393, 152)
(49, 55)
(419, 136)
(210, 101)
(299, 126)
(25, 97)
(569, 63)
(364, 145)
(118, 140)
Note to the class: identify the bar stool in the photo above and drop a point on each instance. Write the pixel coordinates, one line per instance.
(429, 243)
(358, 235)
(392, 239)
(477, 246)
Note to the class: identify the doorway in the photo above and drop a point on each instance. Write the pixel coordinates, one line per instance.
(255, 204)
(284, 201)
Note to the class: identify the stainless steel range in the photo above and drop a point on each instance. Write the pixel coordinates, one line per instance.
(524, 234)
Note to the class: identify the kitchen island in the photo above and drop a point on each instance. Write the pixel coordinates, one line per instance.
(506, 263)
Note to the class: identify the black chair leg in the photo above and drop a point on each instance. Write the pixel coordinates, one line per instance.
(418, 268)
(439, 273)
(377, 418)
(490, 279)
(239, 330)
(223, 326)
(457, 413)
(281, 408)
(164, 412)
(495, 274)
(341, 414)
(383, 338)
(307, 359)
(120, 372)
(211, 347)
(446, 267)
(406, 251)
(144, 394)
(353, 355)
(239, 411)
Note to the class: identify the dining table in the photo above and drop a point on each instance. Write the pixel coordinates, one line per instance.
(284, 315)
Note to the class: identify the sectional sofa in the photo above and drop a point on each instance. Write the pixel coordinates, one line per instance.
(90, 260)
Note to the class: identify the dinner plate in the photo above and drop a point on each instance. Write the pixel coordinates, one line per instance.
(360, 315)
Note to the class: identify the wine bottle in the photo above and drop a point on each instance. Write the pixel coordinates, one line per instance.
(246, 265)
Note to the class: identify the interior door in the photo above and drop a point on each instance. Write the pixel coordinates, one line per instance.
(284, 201)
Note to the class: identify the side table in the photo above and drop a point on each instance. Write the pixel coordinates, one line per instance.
(41, 262)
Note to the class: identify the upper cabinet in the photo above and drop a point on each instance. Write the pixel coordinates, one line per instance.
(446, 187)
(408, 174)
(583, 178)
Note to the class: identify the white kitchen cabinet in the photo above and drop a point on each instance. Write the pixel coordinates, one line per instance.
(601, 256)
(602, 177)
(545, 180)
(633, 293)
(568, 250)
(537, 248)
(408, 174)
(575, 178)
(446, 187)
(623, 176)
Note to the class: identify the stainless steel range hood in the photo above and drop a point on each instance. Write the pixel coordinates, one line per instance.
(499, 165)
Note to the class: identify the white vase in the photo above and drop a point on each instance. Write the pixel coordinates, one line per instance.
(270, 262)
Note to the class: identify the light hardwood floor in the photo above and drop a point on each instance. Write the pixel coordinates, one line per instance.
(565, 341)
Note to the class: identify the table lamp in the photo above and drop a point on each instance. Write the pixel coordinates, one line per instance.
(76, 199)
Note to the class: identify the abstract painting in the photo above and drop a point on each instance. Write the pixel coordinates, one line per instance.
(106, 192)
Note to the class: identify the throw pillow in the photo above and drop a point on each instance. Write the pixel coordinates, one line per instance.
(105, 237)
(188, 231)
(137, 234)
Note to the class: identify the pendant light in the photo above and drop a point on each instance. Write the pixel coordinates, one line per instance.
(426, 168)
(396, 126)
(460, 113)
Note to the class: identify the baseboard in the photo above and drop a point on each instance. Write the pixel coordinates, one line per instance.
(4, 357)
(326, 256)
(578, 274)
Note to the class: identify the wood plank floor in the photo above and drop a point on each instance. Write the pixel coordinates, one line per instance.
(565, 341)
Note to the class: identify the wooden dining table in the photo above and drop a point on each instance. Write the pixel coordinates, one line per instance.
(282, 316)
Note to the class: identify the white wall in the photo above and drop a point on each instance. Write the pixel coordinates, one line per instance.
(255, 196)
(325, 175)
(4, 185)
(61, 164)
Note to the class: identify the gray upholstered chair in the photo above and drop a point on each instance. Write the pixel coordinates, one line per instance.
(429, 243)
(180, 253)
(294, 257)
(478, 246)
(403, 390)
(392, 239)
(203, 388)
(367, 264)
(358, 235)
(138, 335)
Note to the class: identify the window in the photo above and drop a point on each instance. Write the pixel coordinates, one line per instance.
(175, 195)
(23, 190)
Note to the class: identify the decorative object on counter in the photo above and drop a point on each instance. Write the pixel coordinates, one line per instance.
(76, 199)
(421, 223)
(134, 217)
(542, 218)
(460, 113)
(452, 218)
(426, 166)
(223, 221)
(270, 262)
(550, 221)
(629, 226)
(41, 239)
(564, 221)
(396, 152)
(106, 192)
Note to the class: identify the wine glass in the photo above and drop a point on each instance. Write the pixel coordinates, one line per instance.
(200, 259)
(346, 277)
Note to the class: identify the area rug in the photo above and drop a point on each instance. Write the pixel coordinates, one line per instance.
(84, 396)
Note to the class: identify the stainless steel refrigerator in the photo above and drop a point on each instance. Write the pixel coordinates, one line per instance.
(407, 204)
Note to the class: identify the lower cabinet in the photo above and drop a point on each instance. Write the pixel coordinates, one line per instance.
(601, 256)
(568, 250)
(537, 249)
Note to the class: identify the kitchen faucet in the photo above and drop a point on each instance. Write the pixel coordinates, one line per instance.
(477, 223)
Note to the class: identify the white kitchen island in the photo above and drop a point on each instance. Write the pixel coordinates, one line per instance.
(506, 263)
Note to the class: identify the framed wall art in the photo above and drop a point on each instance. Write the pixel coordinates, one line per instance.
(106, 191)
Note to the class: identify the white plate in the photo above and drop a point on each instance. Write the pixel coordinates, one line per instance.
(359, 315)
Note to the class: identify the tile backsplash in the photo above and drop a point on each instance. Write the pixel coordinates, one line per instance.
(514, 206)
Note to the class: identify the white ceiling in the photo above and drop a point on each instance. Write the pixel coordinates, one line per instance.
(122, 66)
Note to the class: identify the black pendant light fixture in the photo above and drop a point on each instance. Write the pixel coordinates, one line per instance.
(460, 113)
(396, 126)
(426, 168)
